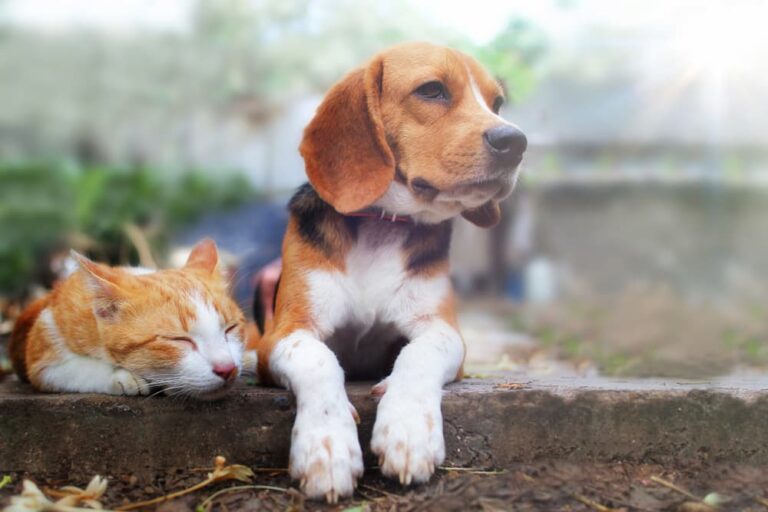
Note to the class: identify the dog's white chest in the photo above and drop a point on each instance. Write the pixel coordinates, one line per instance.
(375, 275)
(363, 293)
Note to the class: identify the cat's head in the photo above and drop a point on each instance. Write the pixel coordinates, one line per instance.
(179, 329)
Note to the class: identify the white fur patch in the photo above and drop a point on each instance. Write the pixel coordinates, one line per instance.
(408, 433)
(400, 200)
(127, 383)
(374, 289)
(139, 271)
(481, 101)
(195, 371)
(325, 453)
(83, 374)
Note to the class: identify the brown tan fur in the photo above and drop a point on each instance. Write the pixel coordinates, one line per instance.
(386, 134)
(136, 322)
(415, 136)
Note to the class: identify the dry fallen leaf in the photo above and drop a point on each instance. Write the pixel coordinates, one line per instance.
(511, 385)
(89, 496)
(233, 472)
(32, 498)
(220, 473)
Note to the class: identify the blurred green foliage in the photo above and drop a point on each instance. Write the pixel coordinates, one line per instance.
(513, 56)
(148, 93)
(44, 208)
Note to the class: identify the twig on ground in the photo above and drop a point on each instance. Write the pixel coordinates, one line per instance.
(220, 473)
(593, 504)
(255, 470)
(670, 485)
(368, 496)
(526, 477)
(380, 491)
(207, 502)
(474, 471)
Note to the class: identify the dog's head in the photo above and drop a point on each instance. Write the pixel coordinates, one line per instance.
(415, 132)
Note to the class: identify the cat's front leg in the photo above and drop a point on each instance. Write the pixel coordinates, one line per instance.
(81, 374)
(128, 383)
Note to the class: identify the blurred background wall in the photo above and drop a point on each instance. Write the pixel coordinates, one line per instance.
(129, 128)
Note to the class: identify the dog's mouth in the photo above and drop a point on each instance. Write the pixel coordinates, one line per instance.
(474, 192)
(488, 186)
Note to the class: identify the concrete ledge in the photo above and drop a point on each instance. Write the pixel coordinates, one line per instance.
(487, 424)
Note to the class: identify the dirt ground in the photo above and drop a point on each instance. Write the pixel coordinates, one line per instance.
(571, 348)
(547, 486)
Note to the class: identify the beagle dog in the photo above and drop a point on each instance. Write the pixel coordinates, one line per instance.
(396, 150)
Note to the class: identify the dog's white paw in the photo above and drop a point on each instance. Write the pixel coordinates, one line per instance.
(325, 452)
(408, 436)
(127, 383)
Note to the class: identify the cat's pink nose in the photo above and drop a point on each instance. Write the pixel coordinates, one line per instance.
(226, 371)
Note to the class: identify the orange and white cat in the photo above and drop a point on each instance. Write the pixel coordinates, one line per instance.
(123, 330)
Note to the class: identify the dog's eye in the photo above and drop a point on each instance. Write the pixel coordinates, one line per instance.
(497, 103)
(422, 186)
(230, 328)
(433, 90)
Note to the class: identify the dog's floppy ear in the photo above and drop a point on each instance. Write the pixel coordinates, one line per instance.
(347, 158)
(485, 215)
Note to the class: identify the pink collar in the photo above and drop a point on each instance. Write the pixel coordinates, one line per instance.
(382, 215)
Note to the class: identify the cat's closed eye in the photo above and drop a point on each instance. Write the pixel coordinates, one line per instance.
(181, 339)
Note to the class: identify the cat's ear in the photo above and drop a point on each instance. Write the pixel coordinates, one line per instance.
(204, 256)
(106, 284)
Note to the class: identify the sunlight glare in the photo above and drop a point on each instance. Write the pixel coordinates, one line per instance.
(726, 38)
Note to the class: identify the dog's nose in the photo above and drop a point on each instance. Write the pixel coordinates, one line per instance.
(506, 141)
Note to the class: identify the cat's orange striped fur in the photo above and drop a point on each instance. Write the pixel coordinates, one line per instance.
(125, 330)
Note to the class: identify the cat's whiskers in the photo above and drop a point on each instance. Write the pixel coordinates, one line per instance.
(182, 386)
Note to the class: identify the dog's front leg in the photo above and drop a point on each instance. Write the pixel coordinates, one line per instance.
(408, 433)
(325, 451)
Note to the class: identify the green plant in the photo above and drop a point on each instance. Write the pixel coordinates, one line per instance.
(512, 56)
(47, 207)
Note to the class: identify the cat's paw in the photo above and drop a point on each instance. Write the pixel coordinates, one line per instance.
(408, 436)
(325, 452)
(250, 363)
(127, 383)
